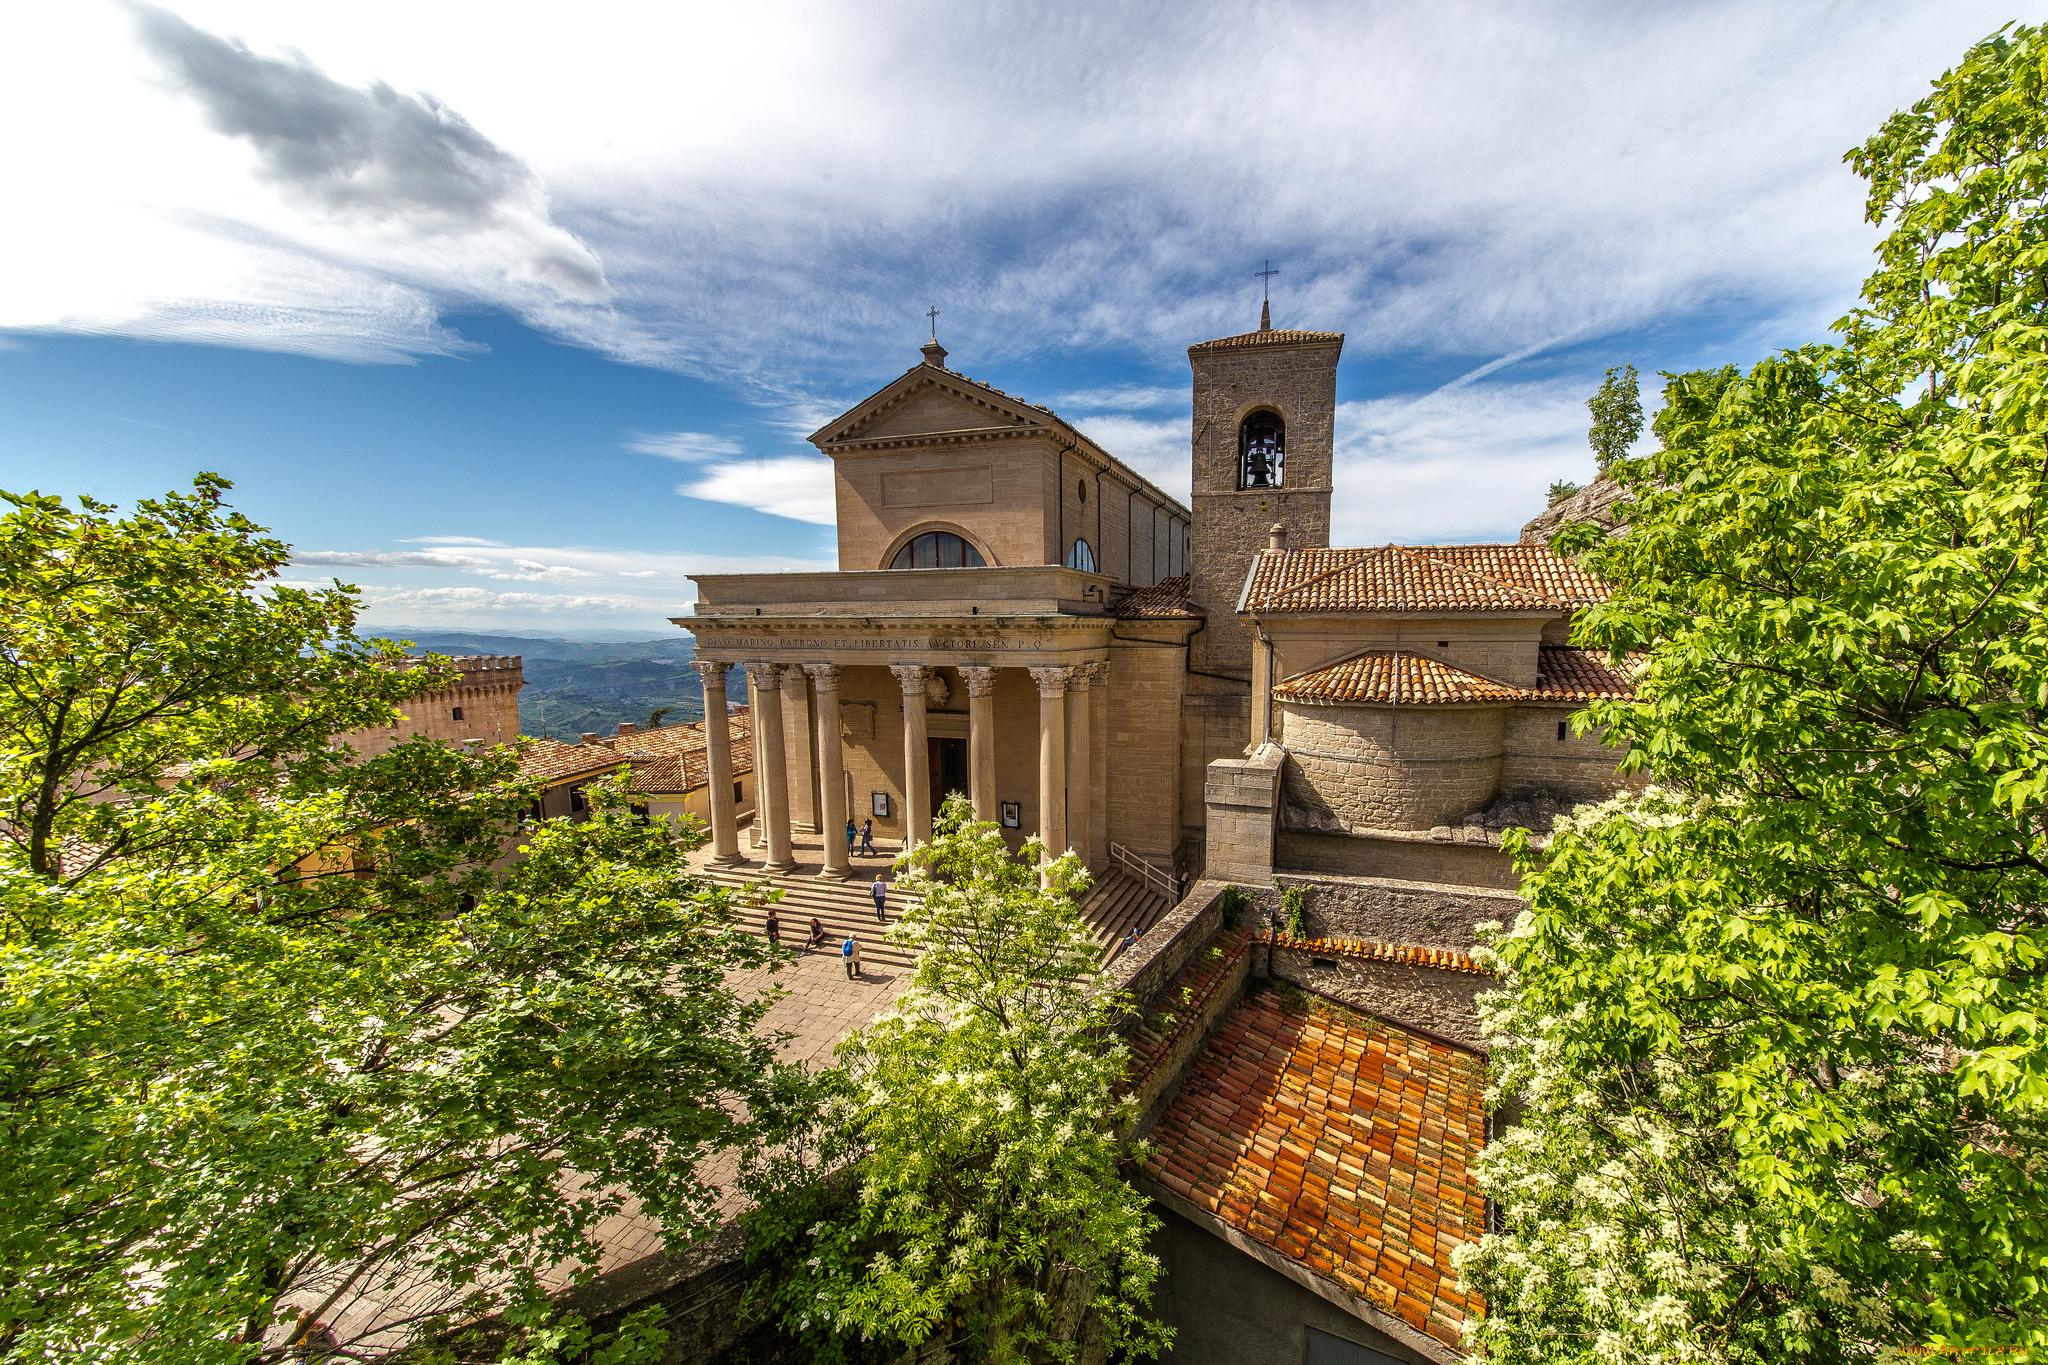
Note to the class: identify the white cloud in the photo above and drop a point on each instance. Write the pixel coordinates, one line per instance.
(1119, 398)
(691, 447)
(1465, 463)
(794, 486)
(552, 564)
(1466, 177)
(1156, 449)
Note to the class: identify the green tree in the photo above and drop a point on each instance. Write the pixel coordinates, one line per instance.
(658, 715)
(1560, 489)
(277, 1044)
(1617, 417)
(1780, 1027)
(977, 1127)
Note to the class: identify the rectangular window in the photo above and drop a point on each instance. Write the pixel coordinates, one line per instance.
(1563, 729)
(735, 793)
(458, 713)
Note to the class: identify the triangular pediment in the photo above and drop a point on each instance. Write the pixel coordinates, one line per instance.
(929, 401)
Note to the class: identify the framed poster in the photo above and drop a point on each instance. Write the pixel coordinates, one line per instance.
(1013, 814)
(879, 801)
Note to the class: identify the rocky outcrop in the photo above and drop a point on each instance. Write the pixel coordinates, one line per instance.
(1597, 502)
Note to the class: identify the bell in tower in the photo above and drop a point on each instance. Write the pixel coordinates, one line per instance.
(1265, 413)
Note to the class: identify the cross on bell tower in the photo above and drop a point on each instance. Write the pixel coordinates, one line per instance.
(1266, 304)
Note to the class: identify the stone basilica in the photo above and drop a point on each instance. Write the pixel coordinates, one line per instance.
(1287, 765)
(1019, 616)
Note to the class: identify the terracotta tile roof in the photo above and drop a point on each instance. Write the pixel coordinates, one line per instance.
(1341, 1142)
(1583, 675)
(1405, 678)
(1443, 959)
(674, 754)
(1164, 599)
(1410, 678)
(1422, 578)
(1268, 338)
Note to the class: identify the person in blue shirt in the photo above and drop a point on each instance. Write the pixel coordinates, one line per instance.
(850, 950)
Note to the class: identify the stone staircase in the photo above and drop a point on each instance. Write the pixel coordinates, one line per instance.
(1119, 903)
(840, 906)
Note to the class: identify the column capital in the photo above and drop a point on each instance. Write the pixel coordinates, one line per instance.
(825, 676)
(767, 677)
(713, 671)
(981, 679)
(1079, 676)
(911, 678)
(1098, 672)
(1053, 681)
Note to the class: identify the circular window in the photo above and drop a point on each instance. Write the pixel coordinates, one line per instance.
(938, 550)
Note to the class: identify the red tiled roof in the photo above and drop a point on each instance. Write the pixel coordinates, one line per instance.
(669, 758)
(1409, 678)
(1341, 1142)
(1405, 678)
(1443, 959)
(1180, 1006)
(1583, 675)
(1421, 578)
(1266, 338)
(1168, 598)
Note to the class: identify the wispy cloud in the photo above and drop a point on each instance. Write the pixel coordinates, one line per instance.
(795, 486)
(550, 564)
(691, 447)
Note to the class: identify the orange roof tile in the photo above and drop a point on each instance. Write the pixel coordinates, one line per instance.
(1404, 678)
(1583, 675)
(1422, 578)
(1345, 1144)
(669, 758)
(1409, 678)
(1167, 598)
(1266, 338)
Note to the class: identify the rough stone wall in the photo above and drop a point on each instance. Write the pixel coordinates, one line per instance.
(1443, 1002)
(1385, 910)
(487, 693)
(1231, 527)
(1242, 795)
(1147, 680)
(1355, 768)
(1533, 757)
(1413, 859)
(1215, 723)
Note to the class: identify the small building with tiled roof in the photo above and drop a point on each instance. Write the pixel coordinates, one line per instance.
(669, 768)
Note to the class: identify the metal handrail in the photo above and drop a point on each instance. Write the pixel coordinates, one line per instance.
(1146, 870)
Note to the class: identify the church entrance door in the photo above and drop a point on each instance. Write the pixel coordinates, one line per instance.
(948, 770)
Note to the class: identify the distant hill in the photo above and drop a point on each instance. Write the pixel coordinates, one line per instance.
(584, 684)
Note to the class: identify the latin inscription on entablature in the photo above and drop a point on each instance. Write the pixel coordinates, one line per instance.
(938, 487)
(947, 644)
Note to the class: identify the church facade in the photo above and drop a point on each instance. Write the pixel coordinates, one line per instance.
(1314, 750)
(1020, 616)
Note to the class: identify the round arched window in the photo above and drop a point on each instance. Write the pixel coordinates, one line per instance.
(1081, 557)
(1083, 487)
(938, 550)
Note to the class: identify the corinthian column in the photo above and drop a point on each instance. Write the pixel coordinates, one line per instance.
(1078, 731)
(831, 772)
(771, 788)
(981, 741)
(1052, 758)
(725, 832)
(917, 786)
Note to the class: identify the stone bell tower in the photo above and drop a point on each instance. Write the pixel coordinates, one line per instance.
(1265, 410)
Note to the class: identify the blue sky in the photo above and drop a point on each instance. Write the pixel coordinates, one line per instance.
(517, 315)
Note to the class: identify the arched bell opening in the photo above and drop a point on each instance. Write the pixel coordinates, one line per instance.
(1261, 450)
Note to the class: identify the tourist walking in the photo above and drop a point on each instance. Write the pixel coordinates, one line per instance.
(867, 838)
(850, 950)
(850, 833)
(774, 929)
(880, 891)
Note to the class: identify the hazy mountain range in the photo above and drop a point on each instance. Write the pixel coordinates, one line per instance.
(586, 684)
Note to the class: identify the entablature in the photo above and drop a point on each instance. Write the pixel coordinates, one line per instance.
(1004, 641)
